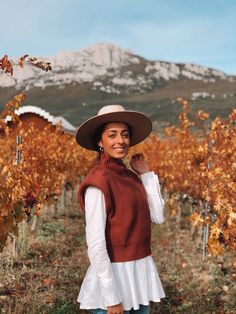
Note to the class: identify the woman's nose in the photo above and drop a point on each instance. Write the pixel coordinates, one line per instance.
(120, 139)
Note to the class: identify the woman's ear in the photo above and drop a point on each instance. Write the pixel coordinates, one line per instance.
(100, 144)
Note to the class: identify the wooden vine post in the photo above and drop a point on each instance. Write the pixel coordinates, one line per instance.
(17, 161)
(207, 208)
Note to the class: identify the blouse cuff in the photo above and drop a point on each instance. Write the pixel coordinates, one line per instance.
(110, 292)
(149, 180)
(155, 200)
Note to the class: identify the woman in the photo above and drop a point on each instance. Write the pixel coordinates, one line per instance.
(119, 205)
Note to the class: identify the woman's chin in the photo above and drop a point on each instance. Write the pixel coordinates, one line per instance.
(118, 155)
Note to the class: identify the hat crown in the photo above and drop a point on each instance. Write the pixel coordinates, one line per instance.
(110, 109)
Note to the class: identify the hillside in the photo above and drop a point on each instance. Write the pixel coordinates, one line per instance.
(83, 81)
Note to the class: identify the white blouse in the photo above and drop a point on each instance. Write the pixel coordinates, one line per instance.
(130, 283)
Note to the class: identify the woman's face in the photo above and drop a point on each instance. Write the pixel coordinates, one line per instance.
(115, 139)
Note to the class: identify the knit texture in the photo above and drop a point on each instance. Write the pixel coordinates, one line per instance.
(128, 225)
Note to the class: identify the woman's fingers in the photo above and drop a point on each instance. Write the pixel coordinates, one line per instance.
(139, 164)
(115, 309)
(138, 156)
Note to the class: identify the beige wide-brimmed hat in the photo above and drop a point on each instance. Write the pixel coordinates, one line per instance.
(139, 123)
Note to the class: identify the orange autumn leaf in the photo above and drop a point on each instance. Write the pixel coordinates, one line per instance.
(48, 282)
(202, 115)
(21, 61)
(46, 66)
(232, 116)
(214, 247)
(196, 219)
(6, 65)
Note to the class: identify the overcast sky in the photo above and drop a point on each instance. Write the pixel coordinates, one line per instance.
(201, 31)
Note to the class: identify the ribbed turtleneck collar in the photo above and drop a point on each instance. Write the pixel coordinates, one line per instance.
(113, 163)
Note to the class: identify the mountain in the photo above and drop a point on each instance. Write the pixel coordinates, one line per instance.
(82, 81)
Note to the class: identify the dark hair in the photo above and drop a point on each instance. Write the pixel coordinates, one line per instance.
(98, 134)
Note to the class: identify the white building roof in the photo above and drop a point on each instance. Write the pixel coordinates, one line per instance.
(46, 115)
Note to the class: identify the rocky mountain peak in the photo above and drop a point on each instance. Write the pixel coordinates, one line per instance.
(100, 55)
(109, 69)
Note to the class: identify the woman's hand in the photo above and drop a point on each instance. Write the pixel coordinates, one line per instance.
(115, 309)
(138, 164)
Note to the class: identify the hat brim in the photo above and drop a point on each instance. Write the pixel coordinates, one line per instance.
(140, 124)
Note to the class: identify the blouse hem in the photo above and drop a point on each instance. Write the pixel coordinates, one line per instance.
(87, 307)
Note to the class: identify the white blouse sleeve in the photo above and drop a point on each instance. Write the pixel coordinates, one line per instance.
(155, 200)
(95, 215)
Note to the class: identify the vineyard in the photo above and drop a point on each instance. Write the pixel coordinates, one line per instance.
(195, 162)
(200, 165)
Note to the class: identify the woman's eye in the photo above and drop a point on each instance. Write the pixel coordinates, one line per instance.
(126, 135)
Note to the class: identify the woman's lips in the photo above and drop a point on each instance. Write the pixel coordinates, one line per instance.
(119, 149)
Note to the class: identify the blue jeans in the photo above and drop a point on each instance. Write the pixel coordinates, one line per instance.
(143, 309)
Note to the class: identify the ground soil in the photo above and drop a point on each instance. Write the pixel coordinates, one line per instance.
(47, 276)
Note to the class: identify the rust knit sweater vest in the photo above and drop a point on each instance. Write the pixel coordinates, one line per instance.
(128, 225)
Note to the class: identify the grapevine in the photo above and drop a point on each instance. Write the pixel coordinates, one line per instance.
(50, 158)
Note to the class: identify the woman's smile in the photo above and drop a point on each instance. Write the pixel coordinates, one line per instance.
(121, 149)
